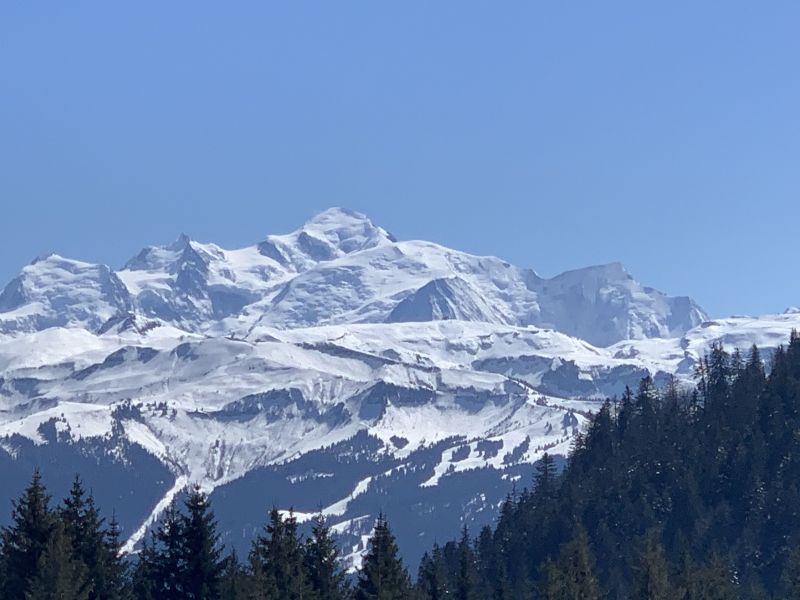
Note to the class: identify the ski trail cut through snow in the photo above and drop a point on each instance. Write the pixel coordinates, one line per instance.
(337, 509)
(180, 483)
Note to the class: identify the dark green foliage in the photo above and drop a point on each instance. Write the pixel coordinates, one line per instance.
(327, 580)
(466, 584)
(571, 576)
(791, 575)
(69, 554)
(277, 561)
(432, 576)
(25, 541)
(201, 563)
(233, 581)
(144, 574)
(117, 581)
(167, 568)
(714, 581)
(85, 530)
(684, 494)
(651, 570)
(60, 574)
(382, 575)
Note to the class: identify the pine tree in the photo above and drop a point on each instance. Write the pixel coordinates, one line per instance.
(791, 575)
(60, 576)
(277, 561)
(116, 585)
(168, 568)
(200, 549)
(233, 584)
(84, 529)
(545, 479)
(26, 539)
(382, 575)
(651, 570)
(466, 584)
(326, 578)
(572, 577)
(713, 581)
(145, 573)
(432, 576)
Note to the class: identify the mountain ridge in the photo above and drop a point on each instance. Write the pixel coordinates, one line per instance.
(337, 371)
(365, 274)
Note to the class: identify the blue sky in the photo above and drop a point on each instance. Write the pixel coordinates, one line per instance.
(553, 134)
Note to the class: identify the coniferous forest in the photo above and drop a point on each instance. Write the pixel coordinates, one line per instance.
(669, 494)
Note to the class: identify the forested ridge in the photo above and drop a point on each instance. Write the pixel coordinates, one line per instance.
(670, 493)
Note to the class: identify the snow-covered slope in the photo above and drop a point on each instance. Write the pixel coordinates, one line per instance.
(337, 268)
(334, 366)
(55, 292)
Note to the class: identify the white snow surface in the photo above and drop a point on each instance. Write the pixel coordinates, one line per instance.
(235, 359)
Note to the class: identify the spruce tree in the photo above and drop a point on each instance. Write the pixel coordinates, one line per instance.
(233, 585)
(432, 576)
(651, 570)
(168, 568)
(60, 575)
(791, 575)
(382, 575)
(84, 528)
(712, 581)
(25, 540)
(572, 577)
(466, 587)
(326, 578)
(277, 561)
(200, 562)
(116, 585)
(145, 573)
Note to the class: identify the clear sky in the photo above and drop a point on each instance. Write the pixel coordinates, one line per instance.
(553, 134)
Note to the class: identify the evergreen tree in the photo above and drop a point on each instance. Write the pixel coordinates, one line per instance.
(326, 578)
(432, 576)
(382, 575)
(466, 587)
(277, 561)
(60, 575)
(168, 569)
(545, 482)
(145, 573)
(651, 570)
(25, 540)
(572, 577)
(116, 584)
(200, 561)
(84, 528)
(791, 575)
(713, 581)
(233, 584)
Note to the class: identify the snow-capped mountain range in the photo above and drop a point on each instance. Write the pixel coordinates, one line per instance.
(332, 368)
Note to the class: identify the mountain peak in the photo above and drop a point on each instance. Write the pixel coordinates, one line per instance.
(613, 271)
(337, 214)
(328, 235)
(346, 229)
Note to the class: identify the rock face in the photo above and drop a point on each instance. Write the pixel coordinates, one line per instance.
(333, 366)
